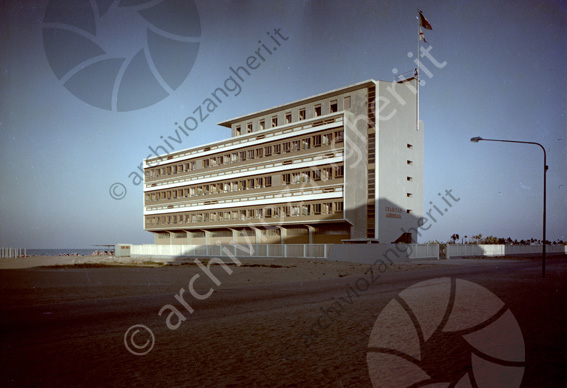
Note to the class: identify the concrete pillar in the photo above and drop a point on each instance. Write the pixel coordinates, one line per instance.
(311, 233)
(283, 234)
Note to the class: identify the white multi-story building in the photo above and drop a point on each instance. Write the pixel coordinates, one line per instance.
(346, 165)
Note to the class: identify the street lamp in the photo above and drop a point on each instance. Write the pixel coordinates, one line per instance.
(478, 138)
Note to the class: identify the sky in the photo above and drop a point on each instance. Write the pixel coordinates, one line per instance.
(63, 152)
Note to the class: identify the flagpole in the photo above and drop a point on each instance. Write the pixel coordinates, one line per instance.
(417, 77)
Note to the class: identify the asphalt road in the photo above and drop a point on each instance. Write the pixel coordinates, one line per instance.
(295, 334)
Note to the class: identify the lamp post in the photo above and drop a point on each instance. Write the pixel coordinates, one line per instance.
(545, 167)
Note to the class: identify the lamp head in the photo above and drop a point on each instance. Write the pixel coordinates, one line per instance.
(476, 139)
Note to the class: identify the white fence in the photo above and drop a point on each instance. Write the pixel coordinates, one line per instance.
(316, 251)
(12, 252)
(252, 250)
(467, 250)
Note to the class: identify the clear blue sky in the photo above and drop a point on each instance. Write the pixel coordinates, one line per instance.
(505, 78)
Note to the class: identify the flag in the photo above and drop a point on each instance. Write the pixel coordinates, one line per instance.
(422, 36)
(423, 22)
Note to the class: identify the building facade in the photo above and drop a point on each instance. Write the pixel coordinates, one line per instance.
(342, 166)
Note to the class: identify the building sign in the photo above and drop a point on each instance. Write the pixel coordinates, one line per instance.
(393, 212)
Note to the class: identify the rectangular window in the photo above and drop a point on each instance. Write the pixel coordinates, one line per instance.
(306, 143)
(338, 207)
(206, 163)
(268, 212)
(243, 214)
(249, 128)
(237, 131)
(295, 211)
(346, 102)
(242, 156)
(286, 179)
(302, 114)
(250, 154)
(295, 178)
(250, 183)
(317, 175)
(317, 141)
(274, 121)
(317, 110)
(262, 124)
(339, 171)
(409, 178)
(259, 183)
(268, 151)
(327, 138)
(327, 173)
(295, 145)
(317, 209)
(339, 136)
(277, 149)
(409, 195)
(268, 181)
(287, 147)
(305, 210)
(288, 118)
(234, 157)
(334, 106)
(259, 152)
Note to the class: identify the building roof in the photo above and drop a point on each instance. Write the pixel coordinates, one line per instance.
(306, 100)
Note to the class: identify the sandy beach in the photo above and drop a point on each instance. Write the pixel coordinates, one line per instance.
(267, 323)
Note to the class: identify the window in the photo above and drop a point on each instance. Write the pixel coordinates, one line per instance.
(277, 149)
(206, 163)
(288, 118)
(268, 212)
(327, 208)
(268, 151)
(409, 162)
(250, 183)
(409, 146)
(408, 211)
(327, 138)
(346, 102)
(259, 213)
(249, 128)
(317, 209)
(259, 183)
(243, 214)
(334, 106)
(274, 121)
(339, 171)
(338, 207)
(237, 130)
(262, 124)
(295, 211)
(259, 152)
(242, 156)
(317, 141)
(302, 114)
(409, 195)
(339, 136)
(409, 178)
(295, 145)
(234, 157)
(286, 179)
(306, 143)
(250, 154)
(295, 177)
(327, 173)
(317, 175)
(305, 210)
(286, 147)
(317, 110)
(268, 181)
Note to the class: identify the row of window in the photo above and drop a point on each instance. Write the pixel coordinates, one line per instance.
(288, 117)
(261, 213)
(305, 143)
(296, 177)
